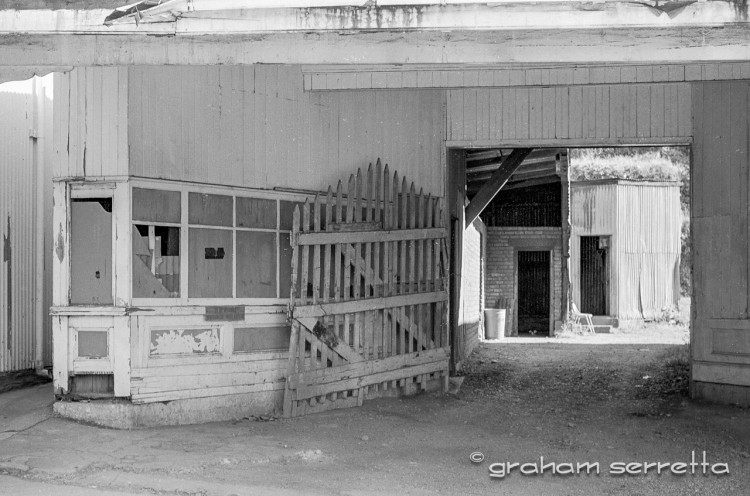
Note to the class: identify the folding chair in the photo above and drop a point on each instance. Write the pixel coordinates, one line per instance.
(576, 315)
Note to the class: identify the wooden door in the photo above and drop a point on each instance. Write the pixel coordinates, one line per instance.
(369, 294)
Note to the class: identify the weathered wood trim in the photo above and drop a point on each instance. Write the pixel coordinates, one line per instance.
(337, 78)
(693, 45)
(152, 397)
(721, 373)
(61, 354)
(325, 376)
(322, 309)
(305, 391)
(683, 140)
(320, 238)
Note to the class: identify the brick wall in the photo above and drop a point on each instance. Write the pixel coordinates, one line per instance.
(500, 279)
(471, 317)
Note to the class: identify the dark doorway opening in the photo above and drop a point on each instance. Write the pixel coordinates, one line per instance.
(594, 274)
(534, 292)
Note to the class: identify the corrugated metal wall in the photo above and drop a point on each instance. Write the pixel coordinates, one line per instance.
(593, 212)
(23, 115)
(255, 126)
(644, 221)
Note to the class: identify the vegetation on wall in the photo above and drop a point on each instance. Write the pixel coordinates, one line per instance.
(645, 164)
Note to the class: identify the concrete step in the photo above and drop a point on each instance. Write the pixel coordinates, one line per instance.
(602, 329)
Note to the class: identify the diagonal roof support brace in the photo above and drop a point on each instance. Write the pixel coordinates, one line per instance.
(495, 183)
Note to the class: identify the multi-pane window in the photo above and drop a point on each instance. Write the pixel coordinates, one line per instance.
(237, 246)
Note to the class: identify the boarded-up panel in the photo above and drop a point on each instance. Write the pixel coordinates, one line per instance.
(91, 252)
(210, 263)
(256, 127)
(256, 264)
(249, 339)
(606, 112)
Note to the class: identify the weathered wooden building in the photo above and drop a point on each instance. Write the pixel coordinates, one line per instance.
(187, 138)
(625, 247)
(25, 225)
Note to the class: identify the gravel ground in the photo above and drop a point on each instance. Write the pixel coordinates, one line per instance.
(595, 399)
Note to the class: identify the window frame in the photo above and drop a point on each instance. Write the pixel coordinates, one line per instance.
(233, 191)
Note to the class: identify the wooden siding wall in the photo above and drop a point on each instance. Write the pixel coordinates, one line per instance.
(720, 343)
(612, 112)
(90, 122)
(254, 126)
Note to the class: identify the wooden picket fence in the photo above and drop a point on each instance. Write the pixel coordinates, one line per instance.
(369, 294)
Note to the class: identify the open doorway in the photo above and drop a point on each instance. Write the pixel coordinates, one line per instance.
(534, 283)
(613, 224)
(594, 274)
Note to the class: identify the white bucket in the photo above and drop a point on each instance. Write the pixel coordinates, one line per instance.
(494, 323)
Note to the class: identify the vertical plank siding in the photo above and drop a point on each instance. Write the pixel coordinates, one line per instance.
(254, 126)
(720, 180)
(568, 112)
(23, 116)
(90, 114)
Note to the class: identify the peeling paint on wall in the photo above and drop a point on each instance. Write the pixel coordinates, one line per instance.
(184, 341)
(60, 244)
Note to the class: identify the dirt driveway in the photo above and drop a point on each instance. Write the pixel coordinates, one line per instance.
(569, 401)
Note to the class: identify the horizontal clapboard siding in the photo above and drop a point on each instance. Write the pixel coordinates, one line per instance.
(640, 111)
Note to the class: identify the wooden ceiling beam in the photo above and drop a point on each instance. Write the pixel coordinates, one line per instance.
(488, 191)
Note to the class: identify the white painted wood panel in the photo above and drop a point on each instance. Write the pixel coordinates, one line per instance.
(90, 135)
(256, 127)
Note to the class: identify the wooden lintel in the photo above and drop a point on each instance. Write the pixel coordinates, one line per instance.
(495, 183)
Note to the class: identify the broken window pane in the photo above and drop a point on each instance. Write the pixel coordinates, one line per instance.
(256, 212)
(256, 264)
(156, 261)
(154, 205)
(210, 260)
(287, 214)
(209, 210)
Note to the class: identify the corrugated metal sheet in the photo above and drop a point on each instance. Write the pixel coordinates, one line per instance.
(644, 221)
(255, 126)
(19, 201)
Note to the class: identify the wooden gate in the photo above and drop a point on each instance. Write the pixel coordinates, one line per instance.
(369, 295)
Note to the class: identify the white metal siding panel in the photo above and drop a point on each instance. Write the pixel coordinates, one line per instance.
(18, 224)
(648, 231)
(255, 126)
